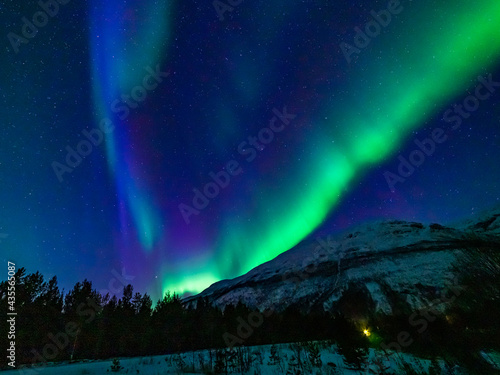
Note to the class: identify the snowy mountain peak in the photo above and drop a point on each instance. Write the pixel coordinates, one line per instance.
(409, 258)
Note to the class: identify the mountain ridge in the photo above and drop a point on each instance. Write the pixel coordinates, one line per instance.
(409, 258)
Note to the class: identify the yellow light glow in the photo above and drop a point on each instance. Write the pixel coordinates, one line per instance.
(366, 332)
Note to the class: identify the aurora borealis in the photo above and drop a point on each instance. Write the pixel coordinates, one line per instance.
(186, 96)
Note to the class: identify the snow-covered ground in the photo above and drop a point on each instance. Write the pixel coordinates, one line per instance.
(285, 361)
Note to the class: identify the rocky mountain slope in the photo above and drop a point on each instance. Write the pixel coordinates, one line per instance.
(376, 263)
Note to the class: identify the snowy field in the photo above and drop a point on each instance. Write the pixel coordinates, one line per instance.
(282, 359)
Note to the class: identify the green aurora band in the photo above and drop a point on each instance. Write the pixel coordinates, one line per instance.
(425, 63)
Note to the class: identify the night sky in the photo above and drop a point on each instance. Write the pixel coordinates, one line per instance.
(302, 111)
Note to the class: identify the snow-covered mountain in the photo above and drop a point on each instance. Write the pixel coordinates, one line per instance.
(376, 261)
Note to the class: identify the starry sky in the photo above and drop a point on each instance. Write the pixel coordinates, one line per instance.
(172, 144)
